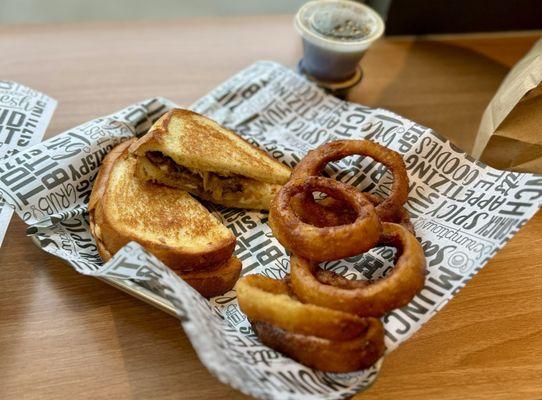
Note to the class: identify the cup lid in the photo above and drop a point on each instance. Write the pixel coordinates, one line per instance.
(339, 25)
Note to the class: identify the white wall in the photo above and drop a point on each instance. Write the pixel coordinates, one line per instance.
(14, 11)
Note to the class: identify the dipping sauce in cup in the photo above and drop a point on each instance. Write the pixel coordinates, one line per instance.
(336, 34)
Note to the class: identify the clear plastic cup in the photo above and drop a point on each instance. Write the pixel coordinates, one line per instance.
(336, 34)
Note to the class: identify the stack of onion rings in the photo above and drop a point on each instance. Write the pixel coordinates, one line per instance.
(308, 240)
(319, 337)
(318, 317)
(269, 300)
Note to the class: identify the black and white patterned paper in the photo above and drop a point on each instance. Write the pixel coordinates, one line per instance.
(463, 211)
(24, 117)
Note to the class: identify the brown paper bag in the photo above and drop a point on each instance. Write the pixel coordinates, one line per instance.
(510, 134)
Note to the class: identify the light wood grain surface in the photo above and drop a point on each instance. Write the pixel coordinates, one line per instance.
(63, 335)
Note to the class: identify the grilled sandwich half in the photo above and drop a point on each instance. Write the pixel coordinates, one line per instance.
(168, 222)
(186, 150)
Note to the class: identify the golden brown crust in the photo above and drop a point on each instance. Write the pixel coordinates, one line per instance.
(100, 184)
(173, 257)
(98, 191)
(214, 281)
(269, 300)
(329, 242)
(188, 113)
(110, 236)
(155, 133)
(210, 282)
(316, 160)
(210, 147)
(374, 299)
(332, 212)
(323, 354)
(97, 234)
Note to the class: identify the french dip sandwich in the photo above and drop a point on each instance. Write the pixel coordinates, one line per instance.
(168, 222)
(188, 151)
(142, 194)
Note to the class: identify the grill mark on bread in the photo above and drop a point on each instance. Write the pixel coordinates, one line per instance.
(165, 224)
(197, 142)
(125, 208)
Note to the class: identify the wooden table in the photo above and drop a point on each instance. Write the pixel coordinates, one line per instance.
(63, 335)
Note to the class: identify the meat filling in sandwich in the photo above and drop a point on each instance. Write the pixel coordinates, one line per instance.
(188, 151)
(213, 183)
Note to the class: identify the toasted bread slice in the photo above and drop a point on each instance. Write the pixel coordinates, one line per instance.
(214, 282)
(186, 150)
(168, 222)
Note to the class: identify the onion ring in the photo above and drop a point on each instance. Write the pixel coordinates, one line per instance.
(315, 161)
(323, 354)
(374, 299)
(401, 217)
(332, 278)
(313, 242)
(328, 212)
(269, 300)
(331, 212)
